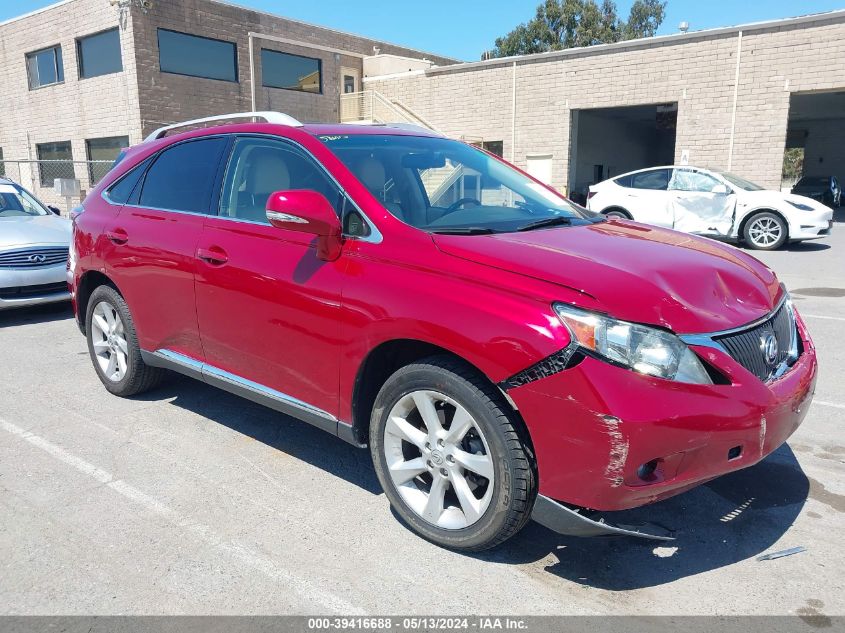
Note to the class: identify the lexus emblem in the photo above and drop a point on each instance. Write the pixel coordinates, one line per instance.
(769, 345)
(36, 259)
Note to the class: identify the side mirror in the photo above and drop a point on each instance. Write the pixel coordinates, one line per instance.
(720, 189)
(307, 212)
(55, 210)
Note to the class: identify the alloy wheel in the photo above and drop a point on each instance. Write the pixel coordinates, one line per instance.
(109, 340)
(764, 231)
(439, 460)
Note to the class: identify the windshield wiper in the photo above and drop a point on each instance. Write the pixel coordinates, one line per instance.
(557, 220)
(465, 230)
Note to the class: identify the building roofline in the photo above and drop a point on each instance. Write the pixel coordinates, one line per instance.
(645, 42)
(35, 12)
(326, 28)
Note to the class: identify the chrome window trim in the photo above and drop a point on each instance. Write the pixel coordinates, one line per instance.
(206, 370)
(375, 236)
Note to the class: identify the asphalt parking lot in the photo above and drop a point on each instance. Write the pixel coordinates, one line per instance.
(191, 501)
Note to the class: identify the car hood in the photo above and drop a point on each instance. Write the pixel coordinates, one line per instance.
(635, 272)
(778, 199)
(34, 229)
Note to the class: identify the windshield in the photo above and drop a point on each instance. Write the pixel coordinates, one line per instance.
(740, 182)
(444, 186)
(17, 201)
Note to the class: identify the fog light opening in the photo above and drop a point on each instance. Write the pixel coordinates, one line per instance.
(735, 453)
(646, 471)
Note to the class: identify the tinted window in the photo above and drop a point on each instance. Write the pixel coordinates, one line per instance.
(291, 72)
(258, 167)
(55, 161)
(688, 180)
(45, 67)
(104, 151)
(657, 179)
(120, 191)
(182, 177)
(99, 54)
(623, 181)
(185, 54)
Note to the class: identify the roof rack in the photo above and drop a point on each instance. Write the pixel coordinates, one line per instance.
(268, 116)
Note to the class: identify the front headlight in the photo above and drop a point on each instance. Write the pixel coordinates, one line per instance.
(641, 348)
(800, 205)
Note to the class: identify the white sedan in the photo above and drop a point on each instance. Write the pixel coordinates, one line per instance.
(717, 204)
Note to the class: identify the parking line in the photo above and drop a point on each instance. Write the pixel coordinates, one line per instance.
(835, 405)
(307, 588)
(820, 316)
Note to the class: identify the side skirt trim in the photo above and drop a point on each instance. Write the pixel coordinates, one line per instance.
(248, 389)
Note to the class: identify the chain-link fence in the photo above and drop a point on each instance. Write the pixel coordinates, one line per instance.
(38, 175)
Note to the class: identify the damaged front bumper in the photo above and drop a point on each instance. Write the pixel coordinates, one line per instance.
(606, 438)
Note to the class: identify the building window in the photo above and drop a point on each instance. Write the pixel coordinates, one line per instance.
(105, 150)
(183, 54)
(45, 67)
(55, 161)
(494, 147)
(290, 72)
(99, 54)
(2, 164)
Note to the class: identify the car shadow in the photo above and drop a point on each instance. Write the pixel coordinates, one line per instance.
(36, 314)
(277, 430)
(730, 519)
(727, 520)
(806, 246)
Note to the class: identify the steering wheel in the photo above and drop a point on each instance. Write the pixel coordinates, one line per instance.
(459, 203)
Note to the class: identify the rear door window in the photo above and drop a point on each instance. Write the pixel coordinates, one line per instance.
(657, 179)
(183, 177)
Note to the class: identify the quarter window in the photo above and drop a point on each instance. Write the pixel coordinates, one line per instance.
(55, 161)
(99, 54)
(182, 177)
(290, 72)
(105, 150)
(120, 192)
(184, 54)
(45, 67)
(657, 179)
(259, 167)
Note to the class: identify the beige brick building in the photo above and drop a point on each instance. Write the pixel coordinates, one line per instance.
(84, 77)
(723, 98)
(50, 103)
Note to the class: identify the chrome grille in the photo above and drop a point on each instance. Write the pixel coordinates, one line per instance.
(749, 347)
(33, 258)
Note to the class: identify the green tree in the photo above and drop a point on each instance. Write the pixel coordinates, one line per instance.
(560, 24)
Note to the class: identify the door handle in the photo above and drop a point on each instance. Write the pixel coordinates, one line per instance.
(118, 236)
(213, 255)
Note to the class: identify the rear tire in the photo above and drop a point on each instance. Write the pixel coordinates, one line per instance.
(765, 231)
(447, 451)
(113, 345)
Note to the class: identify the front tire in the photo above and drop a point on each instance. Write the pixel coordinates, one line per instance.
(615, 214)
(113, 345)
(765, 231)
(449, 456)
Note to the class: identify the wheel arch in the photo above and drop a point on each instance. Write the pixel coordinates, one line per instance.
(384, 360)
(90, 281)
(750, 214)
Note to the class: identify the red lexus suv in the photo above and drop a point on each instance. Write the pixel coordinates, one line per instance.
(504, 353)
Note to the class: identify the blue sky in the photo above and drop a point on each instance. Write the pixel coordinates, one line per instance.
(464, 28)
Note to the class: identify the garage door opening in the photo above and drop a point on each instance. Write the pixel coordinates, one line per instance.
(815, 138)
(607, 142)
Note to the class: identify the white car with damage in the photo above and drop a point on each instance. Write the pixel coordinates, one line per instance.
(713, 203)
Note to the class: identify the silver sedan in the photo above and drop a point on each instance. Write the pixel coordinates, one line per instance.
(34, 244)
